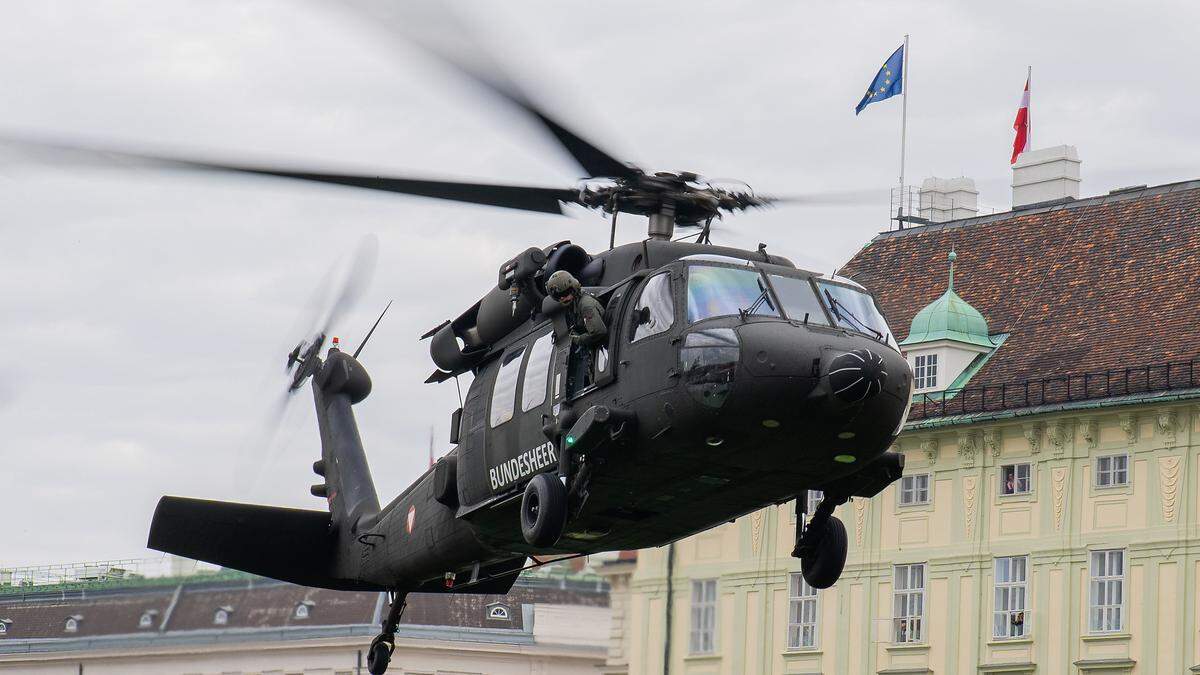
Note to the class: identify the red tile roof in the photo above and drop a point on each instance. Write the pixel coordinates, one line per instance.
(1100, 283)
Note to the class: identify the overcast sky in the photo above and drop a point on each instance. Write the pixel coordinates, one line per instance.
(146, 315)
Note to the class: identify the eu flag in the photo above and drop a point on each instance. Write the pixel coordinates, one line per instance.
(887, 83)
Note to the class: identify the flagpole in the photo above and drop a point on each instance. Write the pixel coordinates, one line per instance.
(903, 126)
(1028, 110)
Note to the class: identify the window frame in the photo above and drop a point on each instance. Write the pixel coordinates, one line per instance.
(1105, 612)
(925, 371)
(1096, 471)
(1015, 466)
(633, 336)
(900, 490)
(1009, 589)
(703, 617)
(907, 595)
(518, 354)
(798, 597)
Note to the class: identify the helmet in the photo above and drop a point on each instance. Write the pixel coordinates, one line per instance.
(561, 283)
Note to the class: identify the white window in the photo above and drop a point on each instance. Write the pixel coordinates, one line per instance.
(537, 373)
(914, 489)
(301, 611)
(221, 617)
(1112, 471)
(814, 497)
(1008, 615)
(1108, 592)
(704, 616)
(504, 391)
(498, 612)
(3, 627)
(925, 371)
(72, 625)
(908, 603)
(1014, 479)
(802, 613)
(655, 310)
(146, 620)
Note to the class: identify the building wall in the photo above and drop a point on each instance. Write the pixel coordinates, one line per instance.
(959, 535)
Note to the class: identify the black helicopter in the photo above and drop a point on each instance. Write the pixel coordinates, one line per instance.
(729, 380)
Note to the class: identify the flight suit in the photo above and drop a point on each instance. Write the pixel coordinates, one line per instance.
(585, 316)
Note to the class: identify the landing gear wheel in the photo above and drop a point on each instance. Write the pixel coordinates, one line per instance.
(379, 656)
(824, 552)
(543, 510)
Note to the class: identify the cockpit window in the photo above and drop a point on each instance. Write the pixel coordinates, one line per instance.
(656, 307)
(721, 291)
(855, 310)
(798, 299)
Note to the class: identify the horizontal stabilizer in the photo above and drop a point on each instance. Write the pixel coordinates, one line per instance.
(292, 545)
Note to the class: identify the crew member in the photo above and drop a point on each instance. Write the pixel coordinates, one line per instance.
(585, 314)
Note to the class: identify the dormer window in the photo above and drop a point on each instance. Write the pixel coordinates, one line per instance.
(498, 612)
(925, 371)
(302, 610)
(72, 624)
(4, 626)
(147, 619)
(221, 616)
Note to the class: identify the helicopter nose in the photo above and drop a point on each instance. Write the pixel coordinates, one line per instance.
(857, 375)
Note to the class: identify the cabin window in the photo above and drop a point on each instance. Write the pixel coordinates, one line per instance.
(504, 392)
(537, 373)
(799, 301)
(655, 309)
(722, 291)
(855, 310)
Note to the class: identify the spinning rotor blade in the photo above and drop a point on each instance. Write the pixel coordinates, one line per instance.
(465, 53)
(525, 198)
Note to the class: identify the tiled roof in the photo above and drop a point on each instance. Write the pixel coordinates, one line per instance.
(1090, 285)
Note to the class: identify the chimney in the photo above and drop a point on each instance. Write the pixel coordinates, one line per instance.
(1045, 175)
(945, 199)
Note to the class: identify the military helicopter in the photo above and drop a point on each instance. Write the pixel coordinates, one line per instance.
(728, 380)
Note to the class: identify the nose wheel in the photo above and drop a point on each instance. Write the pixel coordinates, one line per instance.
(821, 545)
(379, 656)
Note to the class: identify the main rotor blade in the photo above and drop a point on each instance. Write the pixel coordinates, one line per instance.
(524, 198)
(467, 55)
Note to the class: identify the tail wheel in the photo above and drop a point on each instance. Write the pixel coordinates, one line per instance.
(825, 555)
(543, 510)
(379, 657)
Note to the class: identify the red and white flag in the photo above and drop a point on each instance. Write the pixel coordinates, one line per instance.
(1021, 125)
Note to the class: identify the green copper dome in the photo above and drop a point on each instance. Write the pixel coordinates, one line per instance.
(949, 318)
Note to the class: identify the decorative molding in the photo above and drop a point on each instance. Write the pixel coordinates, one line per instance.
(969, 485)
(968, 446)
(992, 440)
(860, 517)
(929, 446)
(1058, 478)
(1060, 433)
(756, 529)
(1168, 471)
(1089, 431)
(1165, 423)
(1129, 424)
(1033, 434)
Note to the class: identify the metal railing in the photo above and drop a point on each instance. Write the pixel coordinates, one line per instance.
(1057, 389)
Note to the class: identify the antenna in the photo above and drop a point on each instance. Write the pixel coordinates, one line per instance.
(372, 331)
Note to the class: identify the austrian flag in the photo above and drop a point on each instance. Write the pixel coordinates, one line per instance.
(1021, 125)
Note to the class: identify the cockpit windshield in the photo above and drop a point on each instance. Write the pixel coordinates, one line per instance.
(722, 291)
(855, 310)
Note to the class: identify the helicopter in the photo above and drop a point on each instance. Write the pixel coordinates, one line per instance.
(728, 380)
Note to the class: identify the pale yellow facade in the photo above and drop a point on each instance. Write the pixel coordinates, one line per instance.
(1057, 527)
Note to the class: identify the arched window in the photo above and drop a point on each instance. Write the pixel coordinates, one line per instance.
(301, 611)
(3, 627)
(498, 612)
(221, 617)
(72, 625)
(147, 620)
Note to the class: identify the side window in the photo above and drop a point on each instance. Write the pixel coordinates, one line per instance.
(504, 391)
(657, 304)
(533, 392)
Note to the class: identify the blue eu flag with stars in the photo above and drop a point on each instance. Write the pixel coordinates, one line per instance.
(887, 83)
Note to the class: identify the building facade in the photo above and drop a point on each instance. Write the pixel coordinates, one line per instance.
(1047, 518)
(232, 623)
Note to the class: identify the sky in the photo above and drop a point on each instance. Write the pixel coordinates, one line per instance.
(146, 314)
